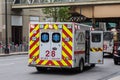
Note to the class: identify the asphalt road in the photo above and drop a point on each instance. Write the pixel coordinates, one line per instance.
(15, 68)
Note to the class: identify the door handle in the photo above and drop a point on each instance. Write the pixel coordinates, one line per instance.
(54, 48)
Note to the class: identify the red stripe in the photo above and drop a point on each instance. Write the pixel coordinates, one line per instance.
(79, 52)
(31, 29)
(67, 53)
(31, 54)
(50, 63)
(47, 63)
(65, 25)
(34, 34)
(41, 61)
(66, 61)
(59, 63)
(36, 57)
(34, 43)
(67, 34)
(69, 46)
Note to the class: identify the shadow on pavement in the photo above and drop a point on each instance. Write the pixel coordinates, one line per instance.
(62, 71)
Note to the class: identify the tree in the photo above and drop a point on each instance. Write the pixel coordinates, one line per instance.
(57, 13)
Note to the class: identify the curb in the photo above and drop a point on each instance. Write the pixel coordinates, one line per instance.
(115, 78)
(14, 53)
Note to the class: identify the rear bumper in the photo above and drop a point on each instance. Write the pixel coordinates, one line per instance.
(116, 57)
(33, 65)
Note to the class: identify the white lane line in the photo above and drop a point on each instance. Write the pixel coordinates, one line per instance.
(14, 59)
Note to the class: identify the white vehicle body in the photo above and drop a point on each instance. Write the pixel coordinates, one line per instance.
(108, 42)
(64, 45)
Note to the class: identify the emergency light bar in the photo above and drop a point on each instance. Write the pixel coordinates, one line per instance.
(32, 26)
(51, 26)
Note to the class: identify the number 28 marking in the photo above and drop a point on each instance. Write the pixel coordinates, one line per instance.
(48, 53)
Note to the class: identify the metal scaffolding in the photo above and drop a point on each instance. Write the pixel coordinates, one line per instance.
(55, 1)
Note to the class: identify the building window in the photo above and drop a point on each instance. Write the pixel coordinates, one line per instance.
(34, 19)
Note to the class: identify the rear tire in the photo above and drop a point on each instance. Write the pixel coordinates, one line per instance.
(92, 65)
(115, 62)
(81, 66)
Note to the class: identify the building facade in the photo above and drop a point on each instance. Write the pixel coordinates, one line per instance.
(17, 22)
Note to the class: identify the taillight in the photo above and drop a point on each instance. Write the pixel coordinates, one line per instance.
(105, 47)
(32, 26)
(115, 49)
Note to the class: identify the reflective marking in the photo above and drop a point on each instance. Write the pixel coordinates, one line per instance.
(46, 26)
(55, 27)
(64, 36)
(45, 61)
(64, 63)
(67, 30)
(55, 62)
(66, 47)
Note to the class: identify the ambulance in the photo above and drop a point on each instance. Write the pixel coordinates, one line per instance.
(64, 45)
(108, 42)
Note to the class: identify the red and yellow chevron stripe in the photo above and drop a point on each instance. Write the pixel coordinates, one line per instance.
(34, 45)
(34, 48)
(96, 49)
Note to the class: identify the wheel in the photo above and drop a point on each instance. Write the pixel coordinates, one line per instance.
(81, 66)
(115, 62)
(92, 65)
(40, 69)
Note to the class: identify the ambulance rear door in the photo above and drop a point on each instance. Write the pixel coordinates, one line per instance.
(50, 44)
(96, 47)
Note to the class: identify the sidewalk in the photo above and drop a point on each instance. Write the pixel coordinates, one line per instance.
(13, 53)
(115, 78)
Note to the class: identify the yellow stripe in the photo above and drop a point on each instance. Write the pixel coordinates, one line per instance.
(30, 60)
(64, 54)
(34, 47)
(44, 62)
(55, 62)
(93, 50)
(37, 61)
(46, 26)
(70, 61)
(38, 35)
(36, 28)
(55, 27)
(64, 63)
(64, 36)
(31, 33)
(31, 42)
(67, 30)
(37, 53)
(66, 47)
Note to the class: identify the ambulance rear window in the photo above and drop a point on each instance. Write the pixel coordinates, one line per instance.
(45, 37)
(96, 37)
(56, 37)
